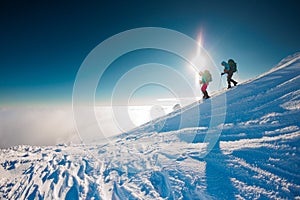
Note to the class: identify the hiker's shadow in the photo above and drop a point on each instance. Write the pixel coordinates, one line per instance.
(218, 175)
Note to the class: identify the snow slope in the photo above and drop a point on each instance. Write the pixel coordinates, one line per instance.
(256, 156)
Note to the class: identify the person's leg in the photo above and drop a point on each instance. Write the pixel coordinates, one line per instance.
(203, 89)
(233, 81)
(206, 95)
(229, 79)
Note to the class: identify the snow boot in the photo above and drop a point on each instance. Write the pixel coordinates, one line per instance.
(235, 83)
(205, 95)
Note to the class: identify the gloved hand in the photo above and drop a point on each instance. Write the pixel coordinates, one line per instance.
(222, 73)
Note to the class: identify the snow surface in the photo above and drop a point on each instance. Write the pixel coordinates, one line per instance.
(257, 155)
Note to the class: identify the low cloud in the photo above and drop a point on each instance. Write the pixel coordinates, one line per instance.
(56, 125)
(36, 126)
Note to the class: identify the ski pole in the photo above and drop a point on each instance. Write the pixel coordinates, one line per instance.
(220, 82)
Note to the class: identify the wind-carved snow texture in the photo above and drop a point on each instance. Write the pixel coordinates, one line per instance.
(256, 157)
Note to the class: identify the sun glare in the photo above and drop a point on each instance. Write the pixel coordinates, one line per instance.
(199, 40)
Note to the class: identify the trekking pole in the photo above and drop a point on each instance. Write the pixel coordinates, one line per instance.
(220, 82)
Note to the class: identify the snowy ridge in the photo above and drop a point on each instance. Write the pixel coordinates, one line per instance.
(288, 59)
(257, 155)
(283, 63)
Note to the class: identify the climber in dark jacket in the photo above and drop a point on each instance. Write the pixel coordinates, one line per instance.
(229, 69)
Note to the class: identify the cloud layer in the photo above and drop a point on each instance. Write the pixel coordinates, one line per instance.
(36, 126)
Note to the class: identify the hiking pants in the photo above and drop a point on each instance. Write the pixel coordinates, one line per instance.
(204, 87)
(229, 78)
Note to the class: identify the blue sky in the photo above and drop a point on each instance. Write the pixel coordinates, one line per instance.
(43, 43)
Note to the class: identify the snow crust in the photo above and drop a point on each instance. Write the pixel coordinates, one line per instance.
(257, 155)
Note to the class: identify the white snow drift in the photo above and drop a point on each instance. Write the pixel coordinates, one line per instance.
(257, 155)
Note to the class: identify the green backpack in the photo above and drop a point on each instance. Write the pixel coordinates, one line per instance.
(232, 65)
(207, 75)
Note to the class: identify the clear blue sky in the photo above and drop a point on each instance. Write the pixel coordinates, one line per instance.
(43, 43)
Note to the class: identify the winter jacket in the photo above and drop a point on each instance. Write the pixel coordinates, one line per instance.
(226, 66)
(204, 79)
